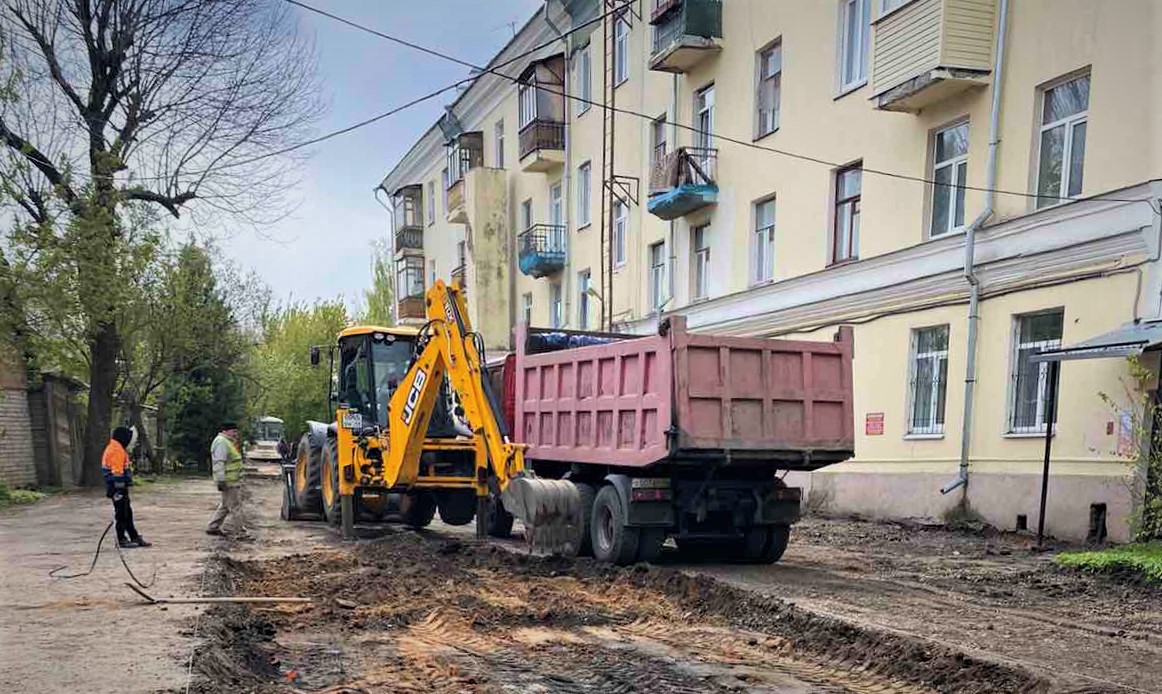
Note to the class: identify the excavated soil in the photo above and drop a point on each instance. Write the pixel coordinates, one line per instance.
(424, 613)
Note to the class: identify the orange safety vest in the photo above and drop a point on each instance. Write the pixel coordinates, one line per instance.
(115, 461)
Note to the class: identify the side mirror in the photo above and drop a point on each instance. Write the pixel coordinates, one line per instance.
(315, 356)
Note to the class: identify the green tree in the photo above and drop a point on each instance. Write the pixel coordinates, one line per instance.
(113, 106)
(379, 300)
(206, 351)
(289, 387)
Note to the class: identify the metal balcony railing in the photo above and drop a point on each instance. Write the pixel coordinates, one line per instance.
(542, 249)
(675, 19)
(541, 134)
(460, 275)
(409, 238)
(685, 166)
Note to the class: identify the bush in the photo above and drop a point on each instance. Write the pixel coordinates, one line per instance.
(16, 497)
(1140, 561)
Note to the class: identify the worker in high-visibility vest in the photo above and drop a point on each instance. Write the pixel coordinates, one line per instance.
(118, 479)
(227, 462)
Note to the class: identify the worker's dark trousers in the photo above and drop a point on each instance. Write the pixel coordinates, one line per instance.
(123, 516)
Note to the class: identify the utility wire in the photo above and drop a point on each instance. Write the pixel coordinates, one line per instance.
(711, 135)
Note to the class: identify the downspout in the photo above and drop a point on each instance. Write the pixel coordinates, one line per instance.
(672, 266)
(567, 177)
(970, 254)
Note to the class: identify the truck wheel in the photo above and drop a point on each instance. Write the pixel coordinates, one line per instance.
(457, 507)
(613, 540)
(587, 494)
(418, 509)
(753, 546)
(776, 544)
(332, 501)
(308, 477)
(497, 521)
(650, 541)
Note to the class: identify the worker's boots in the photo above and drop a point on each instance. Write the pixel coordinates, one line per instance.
(142, 542)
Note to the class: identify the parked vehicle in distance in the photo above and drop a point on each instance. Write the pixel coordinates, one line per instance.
(262, 446)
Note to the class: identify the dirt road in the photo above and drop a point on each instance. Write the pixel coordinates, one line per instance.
(875, 608)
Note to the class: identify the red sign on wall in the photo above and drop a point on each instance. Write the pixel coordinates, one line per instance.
(875, 424)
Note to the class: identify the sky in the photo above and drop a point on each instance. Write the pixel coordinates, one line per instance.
(323, 249)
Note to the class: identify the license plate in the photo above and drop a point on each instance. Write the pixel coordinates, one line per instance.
(352, 420)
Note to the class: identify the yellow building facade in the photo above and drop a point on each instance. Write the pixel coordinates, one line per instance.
(785, 167)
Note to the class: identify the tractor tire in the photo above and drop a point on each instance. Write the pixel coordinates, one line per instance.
(308, 477)
(613, 540)
(587, 494)
(780, 535)
(332, 501)
(497, 521)
(418, 509)
(457, 507)
(650, 541)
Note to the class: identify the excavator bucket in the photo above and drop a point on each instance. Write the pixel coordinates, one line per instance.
(550, 511)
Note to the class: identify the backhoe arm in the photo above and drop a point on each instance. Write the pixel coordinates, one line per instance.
(448, 347)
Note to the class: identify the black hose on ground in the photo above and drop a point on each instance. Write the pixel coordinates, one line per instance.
(55, 573)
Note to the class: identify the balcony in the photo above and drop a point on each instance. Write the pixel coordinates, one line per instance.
(683, 182)
(929, 50)
(464, 153)
(686, 32)
(409, 241)
(409, 279)
(408, 220)
(542, 250)
(411, 308)
(542, 146)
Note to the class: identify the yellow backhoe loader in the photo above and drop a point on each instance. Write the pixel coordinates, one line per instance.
(384, 453)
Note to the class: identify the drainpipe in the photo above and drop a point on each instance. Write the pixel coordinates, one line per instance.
(970, 254)
(567, 178)
(672, 265)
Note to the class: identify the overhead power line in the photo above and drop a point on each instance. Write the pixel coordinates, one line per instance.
(629, 112)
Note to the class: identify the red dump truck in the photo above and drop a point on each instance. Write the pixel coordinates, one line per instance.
(679, 434)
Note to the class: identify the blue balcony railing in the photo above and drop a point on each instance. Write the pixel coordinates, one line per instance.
(542, 249)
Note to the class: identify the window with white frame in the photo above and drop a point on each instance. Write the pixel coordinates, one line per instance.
(431, 203)
(949, 175)
(658, 141)
(556, 208)
(854, 41)
(584, 208)
(701, 254)
(704, 117)
(432, 272)
(556, 311)
(620, 51)
(764, 241)
(526, 103)
(527, 308)
(889, 5)
(848, 189)
(770, 76)
(584, 282)
(657, 260)
(620, 227)
(929, 386)
(1061, 156)
(1032, 333)
(499, 140)
(526, 215)
(584, 90)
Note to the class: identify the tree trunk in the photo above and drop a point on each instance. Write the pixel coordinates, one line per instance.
(102, 381)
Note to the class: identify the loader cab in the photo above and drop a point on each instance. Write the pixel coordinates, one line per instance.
(372, 362)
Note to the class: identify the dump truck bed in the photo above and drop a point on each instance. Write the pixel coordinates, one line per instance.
(634, 401)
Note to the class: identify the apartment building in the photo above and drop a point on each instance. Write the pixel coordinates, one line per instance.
(779, 168)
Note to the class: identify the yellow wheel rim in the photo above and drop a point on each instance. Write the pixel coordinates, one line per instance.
(301, 472)
(328, 484)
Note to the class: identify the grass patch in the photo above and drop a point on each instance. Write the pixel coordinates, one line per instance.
(1140, 561)
(18, 497)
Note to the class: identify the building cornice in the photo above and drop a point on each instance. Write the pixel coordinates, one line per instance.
(1010, 253)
